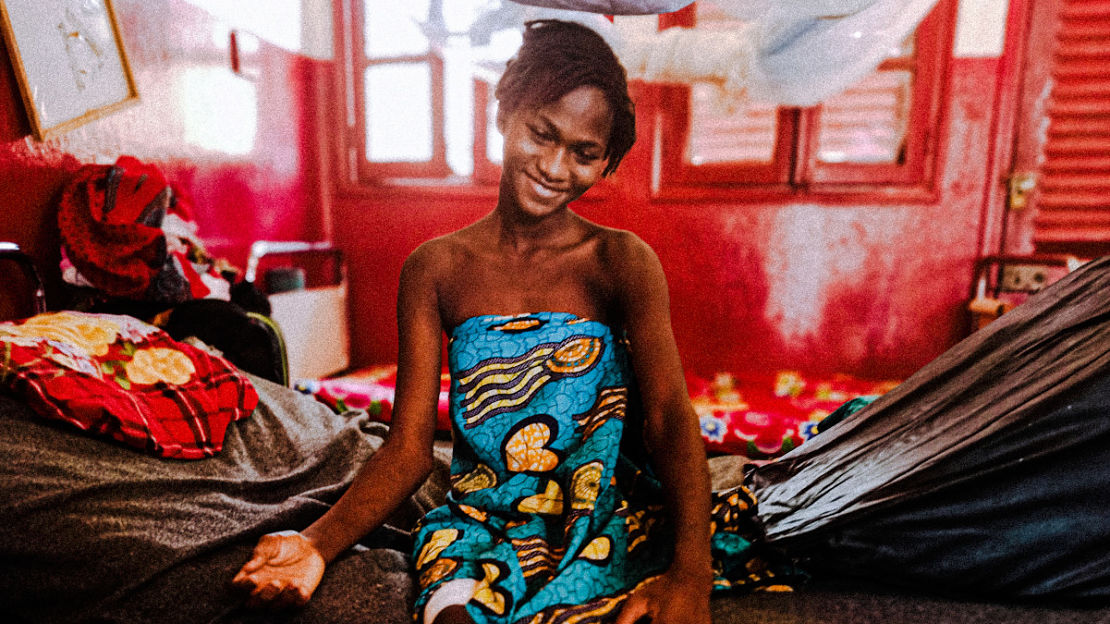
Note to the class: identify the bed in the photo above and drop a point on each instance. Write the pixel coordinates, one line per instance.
(757, 416)
(95, 530)
(98, 529)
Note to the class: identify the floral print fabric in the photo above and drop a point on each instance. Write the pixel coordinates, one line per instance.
(118, 377)
(768, 415)
(553, 511)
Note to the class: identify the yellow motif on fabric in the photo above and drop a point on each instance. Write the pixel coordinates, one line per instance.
(486, 594)
(599, 549)
(480, 478)
(518, 325)
(149, 366)
(575, 356)
(535, 556)
(549, 502)
(474, 512)
(526, 450)
(639, 526)
(504, 364)
(730, 509)
(89, 334)
(500, 385)
(439, 540)
(440, 569)
(585, 485)
(611, 403)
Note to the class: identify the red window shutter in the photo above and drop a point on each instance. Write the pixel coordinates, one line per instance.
(1074, 190)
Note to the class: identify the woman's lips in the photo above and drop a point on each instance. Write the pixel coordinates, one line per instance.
(544, 190)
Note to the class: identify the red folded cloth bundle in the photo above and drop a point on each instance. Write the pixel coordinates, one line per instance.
(129, 233)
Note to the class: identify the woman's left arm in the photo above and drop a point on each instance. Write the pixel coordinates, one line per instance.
(673, 438)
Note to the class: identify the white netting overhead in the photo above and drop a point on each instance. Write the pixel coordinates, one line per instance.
(789, 53)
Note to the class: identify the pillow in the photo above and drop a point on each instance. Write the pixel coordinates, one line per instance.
(118, 377)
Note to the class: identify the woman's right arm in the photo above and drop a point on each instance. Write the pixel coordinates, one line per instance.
(286, 568)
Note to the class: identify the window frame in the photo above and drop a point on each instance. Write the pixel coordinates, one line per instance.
(486, 172)
(929, 65)
(794, 169)
(662, 117)
(350, 21)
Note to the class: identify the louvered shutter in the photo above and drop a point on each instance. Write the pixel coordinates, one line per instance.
(1074, 189)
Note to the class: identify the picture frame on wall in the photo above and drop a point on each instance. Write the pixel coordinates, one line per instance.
(69, 60)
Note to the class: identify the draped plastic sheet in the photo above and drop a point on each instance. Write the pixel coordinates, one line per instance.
(984, 472)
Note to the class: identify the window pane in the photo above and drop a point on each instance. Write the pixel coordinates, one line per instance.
(495, 142)
(399, 112)
(727, 130)
(724, 128)
(394, 28)
(401, 122)
(867, 123)
(459, 106)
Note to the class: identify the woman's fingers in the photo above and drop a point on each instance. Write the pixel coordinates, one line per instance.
(264, 552)
(265, 593)
(248, 568)
(283, 571)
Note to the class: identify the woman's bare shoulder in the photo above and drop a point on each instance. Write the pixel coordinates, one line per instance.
(430, 263)
(622, 250)
(444, 250)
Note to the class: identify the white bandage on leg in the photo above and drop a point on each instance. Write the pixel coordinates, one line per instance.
(456, 592)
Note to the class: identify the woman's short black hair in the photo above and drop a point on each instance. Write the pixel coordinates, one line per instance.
(558, 57)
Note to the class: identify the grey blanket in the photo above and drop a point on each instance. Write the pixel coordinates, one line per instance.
(94, 531)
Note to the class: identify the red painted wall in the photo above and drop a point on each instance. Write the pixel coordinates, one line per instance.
(272, 190)
(872, 289)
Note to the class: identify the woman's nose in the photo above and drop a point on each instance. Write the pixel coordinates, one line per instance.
(553, 164)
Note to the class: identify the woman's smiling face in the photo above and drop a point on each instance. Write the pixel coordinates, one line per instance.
(555, 152)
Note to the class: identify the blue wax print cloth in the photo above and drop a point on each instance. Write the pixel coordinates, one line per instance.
(553, 510)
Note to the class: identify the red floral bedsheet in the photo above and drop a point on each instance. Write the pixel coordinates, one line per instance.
(370, 389)
(757, 416)
(765, 416)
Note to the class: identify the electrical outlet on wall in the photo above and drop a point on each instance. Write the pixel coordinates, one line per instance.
(1024, 277)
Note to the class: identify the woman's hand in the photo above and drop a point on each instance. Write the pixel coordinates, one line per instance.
(283, 571)
(672, 598)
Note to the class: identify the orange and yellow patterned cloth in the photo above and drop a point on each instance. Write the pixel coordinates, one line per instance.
(117, 377)
(554, 514)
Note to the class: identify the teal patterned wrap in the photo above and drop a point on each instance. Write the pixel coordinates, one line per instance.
(553, 510)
